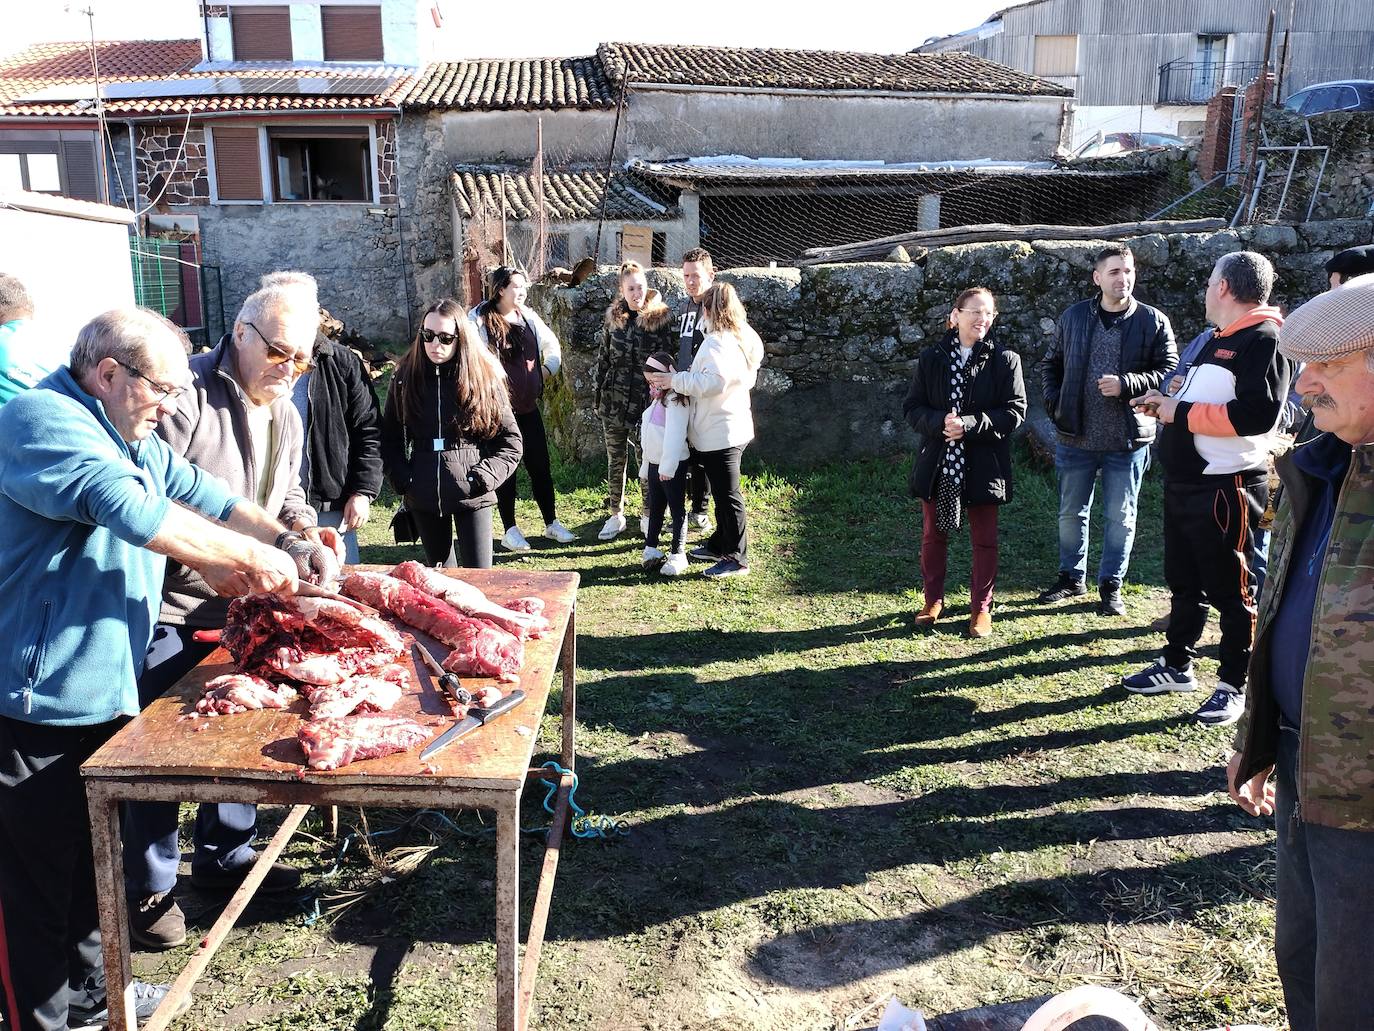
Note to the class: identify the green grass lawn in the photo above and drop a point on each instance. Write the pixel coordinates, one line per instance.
(824, 807)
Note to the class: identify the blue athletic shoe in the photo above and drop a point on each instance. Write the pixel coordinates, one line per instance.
(1226, 705)
(1160, 678)
(726, 567)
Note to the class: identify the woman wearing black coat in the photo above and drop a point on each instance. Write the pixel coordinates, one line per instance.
(448, 436)
(965, 400)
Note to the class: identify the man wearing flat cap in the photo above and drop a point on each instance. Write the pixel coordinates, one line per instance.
(1349, 263)
(1305, 746)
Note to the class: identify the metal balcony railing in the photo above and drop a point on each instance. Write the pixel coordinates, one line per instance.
(1196, 82)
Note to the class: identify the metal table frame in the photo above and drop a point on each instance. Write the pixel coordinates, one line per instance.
(515, 980)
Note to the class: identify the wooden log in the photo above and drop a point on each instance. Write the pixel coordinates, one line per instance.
(993, 232)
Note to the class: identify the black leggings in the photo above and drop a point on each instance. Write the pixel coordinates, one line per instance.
(667, 496)
(536, 461)
(473, 530)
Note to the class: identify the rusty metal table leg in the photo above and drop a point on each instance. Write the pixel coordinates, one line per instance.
(114, 911)
(181, 988)
(543, 898)
(508, 914)
(569, 661)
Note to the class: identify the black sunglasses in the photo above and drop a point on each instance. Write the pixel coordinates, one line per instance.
(429, 336)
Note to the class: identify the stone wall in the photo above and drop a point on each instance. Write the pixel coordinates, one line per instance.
(161, 154)
(841, 340)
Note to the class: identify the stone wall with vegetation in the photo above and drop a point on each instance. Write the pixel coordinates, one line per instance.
(841, 340)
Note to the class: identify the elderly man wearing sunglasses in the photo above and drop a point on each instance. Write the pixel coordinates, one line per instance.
(237, 421)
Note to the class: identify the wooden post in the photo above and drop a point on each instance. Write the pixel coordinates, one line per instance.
(508, 914)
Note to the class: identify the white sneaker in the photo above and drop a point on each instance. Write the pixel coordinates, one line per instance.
(644, 526)
(652, 557)
(675, 564)
(556, 531)
(514, 540)
(613, 527)
(699, 520)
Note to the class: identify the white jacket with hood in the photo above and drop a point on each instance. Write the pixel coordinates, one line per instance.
(722, 374)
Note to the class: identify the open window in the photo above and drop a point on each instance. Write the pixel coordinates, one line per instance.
(321, 164)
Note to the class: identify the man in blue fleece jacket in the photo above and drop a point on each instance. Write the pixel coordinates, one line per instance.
(92, 503)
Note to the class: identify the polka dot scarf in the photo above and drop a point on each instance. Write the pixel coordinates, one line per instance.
(949, 492)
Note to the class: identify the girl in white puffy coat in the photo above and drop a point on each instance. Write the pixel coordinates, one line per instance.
(721, 423)
(663, 442)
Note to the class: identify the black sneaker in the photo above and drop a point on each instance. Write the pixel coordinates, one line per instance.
(703, 554)
(1160, 678)
(1109, 591)
(279, 878)
(88, 1015)
(726, 567)
(1067, 586)
(1226, 705)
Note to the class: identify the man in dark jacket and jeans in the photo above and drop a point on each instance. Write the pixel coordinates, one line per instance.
(1106, 350)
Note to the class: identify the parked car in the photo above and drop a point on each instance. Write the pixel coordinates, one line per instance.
(1121, 142)
(1345, 95)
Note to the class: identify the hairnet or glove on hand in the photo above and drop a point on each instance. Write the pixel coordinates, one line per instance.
(315, 563)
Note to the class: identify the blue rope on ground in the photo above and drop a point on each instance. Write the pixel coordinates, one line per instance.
(581, 826)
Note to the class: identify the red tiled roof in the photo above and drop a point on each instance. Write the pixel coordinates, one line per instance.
(45, 65)
(50, 65)
(527, 84)
(817, 70)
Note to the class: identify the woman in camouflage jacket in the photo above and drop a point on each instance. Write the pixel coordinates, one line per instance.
(637, 324)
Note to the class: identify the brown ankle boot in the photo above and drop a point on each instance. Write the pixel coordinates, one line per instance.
(980, 624)
(929, 613)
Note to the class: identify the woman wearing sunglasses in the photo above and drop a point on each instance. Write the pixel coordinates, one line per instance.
(529, 352)
(449, 438)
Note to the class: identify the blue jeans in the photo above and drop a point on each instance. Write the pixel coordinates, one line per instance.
(1325, 910)
(335, 519)
(1122, 472)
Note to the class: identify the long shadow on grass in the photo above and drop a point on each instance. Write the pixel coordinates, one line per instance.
(698, 647)
(688, 863)
(842, 952)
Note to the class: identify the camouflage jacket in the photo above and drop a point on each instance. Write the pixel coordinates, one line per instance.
(1336, 731)
(618, 375)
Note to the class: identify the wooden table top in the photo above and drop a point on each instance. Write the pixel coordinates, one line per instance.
(261, 744)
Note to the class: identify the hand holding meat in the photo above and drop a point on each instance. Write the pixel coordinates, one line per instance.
(315, 562)
(264, 571)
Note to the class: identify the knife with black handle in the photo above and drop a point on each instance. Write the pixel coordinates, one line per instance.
(477, 715)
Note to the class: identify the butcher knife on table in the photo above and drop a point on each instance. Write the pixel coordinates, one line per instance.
(477, 715)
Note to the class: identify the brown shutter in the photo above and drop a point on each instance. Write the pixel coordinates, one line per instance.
(261, 33)
(238, 168)
(352, 33)
(83, 182)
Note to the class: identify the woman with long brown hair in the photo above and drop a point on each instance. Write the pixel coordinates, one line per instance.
(529, 352)
(449, 438)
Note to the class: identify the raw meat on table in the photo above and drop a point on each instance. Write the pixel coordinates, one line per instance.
(522, 617)
(331, 743)
(480, 648)
(312, 640)
(238, 692)
(357, 694)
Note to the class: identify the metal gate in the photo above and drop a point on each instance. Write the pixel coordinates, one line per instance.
(170, 279)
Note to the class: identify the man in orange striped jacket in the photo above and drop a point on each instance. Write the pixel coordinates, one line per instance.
(1218, 430)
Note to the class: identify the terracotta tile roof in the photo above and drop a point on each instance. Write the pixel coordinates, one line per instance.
(817, 70)
(526, 84)
(168, 63)
(570, 195)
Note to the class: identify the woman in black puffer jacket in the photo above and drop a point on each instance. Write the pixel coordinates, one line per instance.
(448, 436)
(965, 400)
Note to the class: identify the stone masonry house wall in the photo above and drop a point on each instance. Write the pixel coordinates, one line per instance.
(841, 341)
